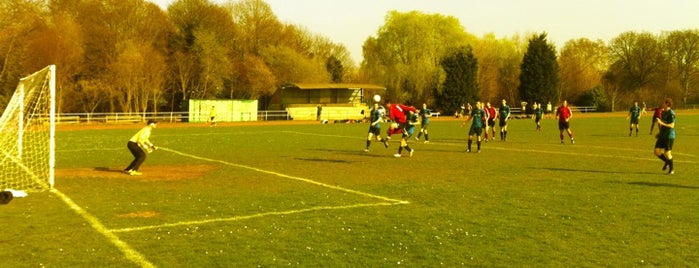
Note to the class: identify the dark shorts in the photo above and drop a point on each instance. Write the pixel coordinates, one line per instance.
(424, 124)
(563, 125)
(503, 123)
(491, 122)
(634, 120)
(664, 143)
(376, 130)
(475, 131)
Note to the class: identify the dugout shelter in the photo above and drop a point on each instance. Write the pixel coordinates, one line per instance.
(337, 101)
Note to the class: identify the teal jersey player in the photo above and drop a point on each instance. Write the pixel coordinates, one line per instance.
(425, 115)
(413, 119)
(376, 115)
(538, 115)
(504, 113)
(666, 137)
(478, 118)
(668, 117)
(635, 113)
(634, 117)
(477, 114)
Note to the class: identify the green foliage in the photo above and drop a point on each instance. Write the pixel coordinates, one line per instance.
(595, 97)
(335, 68)
(460, 85)
(407, 51)
(538, 80)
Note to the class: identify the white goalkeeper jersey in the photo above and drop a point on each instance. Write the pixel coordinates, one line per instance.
(142, 137)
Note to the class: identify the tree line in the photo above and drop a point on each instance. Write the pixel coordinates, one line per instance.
(132, 56)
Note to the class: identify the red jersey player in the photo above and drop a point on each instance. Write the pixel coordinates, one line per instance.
(397, 113)
(657, 113)
(564, 114)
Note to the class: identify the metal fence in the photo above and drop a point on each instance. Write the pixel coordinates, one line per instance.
(176, 117)
(169, 117)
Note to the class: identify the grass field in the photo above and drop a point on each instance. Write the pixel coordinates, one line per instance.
(306, 195)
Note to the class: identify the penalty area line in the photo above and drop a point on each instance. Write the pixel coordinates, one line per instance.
(289, 177)
(130, 253)
(246, 217)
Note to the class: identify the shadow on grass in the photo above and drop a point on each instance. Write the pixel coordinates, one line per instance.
(656, 184)
(597, 171)
(323, 160)
(106, 169)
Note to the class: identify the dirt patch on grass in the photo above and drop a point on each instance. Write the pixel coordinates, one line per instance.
(152, 173)
(140, 215)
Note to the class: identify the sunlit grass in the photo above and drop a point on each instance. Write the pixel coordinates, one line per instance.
(306, 195)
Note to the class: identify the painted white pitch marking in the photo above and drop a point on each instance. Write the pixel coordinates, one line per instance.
(288, 177)
(130, 253)
(259, 215)
(390, 201)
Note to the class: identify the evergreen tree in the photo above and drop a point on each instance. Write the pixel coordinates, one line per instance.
(335, 69)
(539, 79)
(461, 83)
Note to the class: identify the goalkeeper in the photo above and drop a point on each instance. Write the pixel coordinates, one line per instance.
(139, 144)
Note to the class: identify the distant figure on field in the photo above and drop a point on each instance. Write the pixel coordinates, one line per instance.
(479, 120)
(212, 116)
(492, 114)
(563, 113)
(538, 115)
(634, 116)
(425, 115)
(504, 114)
(666, 136)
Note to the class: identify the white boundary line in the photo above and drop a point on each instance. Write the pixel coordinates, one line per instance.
(139, 259)
(246, 217)
(386, 201)
(130, 253)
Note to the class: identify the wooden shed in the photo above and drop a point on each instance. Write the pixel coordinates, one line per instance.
(337, 101)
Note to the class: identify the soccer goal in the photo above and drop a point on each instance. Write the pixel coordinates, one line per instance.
(27, 134)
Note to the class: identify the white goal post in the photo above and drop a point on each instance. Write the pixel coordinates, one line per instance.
(27, 134)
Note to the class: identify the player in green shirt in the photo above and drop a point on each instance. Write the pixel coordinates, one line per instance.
(376, 115)
(504, 114)
(477, 125)
(413, 119)
(666, 137)
(634, 116)
(425, 115)
(538, 115)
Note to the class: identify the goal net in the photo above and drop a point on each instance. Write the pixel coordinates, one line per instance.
(27, 132)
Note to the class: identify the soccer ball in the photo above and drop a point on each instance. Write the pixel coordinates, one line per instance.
(393, 125)
(377, 98)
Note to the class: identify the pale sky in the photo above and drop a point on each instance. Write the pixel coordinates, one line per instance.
(351, 22)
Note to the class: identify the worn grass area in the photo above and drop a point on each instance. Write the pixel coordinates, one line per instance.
(306, 195)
